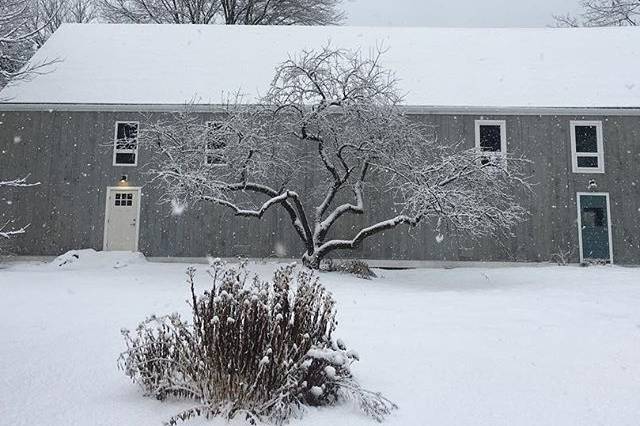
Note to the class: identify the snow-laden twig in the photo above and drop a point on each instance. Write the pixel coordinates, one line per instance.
(22, 23)
(603, 13)
(20, 182)
(12, 232)
(5, 231)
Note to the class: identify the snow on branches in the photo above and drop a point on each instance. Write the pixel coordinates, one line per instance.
(231, 12)
(336, 115)
(603, 13)
(17, 39)
(5, 231)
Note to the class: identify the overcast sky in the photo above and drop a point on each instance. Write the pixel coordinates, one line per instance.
(457, 13)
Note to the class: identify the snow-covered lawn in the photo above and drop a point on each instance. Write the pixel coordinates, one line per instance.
(511, 346)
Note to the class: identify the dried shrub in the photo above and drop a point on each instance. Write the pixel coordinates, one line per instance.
(359, 268)
(263, 350)
(562, 256)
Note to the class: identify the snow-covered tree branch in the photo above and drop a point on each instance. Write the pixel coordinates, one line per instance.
(5, 231)
(335, 115)
(18, 34)
(603, 13)
(46, 16)
(8, 233)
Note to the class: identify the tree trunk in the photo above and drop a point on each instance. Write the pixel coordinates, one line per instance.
(311, 261)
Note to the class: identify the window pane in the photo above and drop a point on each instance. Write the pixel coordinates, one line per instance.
(127, 130)
(125, 158)
(586, 139)
(213, 158)
(215, 138)
(594, 217)
(215, 143)
(590, 162)
(124, 199)
(129, 144)
(490, 138)
(127, 134)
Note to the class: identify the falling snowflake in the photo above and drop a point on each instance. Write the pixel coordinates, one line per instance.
(280, 249)
(177, 208)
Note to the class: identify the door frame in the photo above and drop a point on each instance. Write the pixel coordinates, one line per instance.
(108, 207)
(609, 219)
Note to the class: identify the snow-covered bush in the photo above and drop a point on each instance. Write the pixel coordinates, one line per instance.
(357, 267)
(562, 257)
(262, 350)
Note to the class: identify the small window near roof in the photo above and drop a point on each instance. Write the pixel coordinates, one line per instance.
(491, 136)
(587, 147)
(215, 144)
(125, 146)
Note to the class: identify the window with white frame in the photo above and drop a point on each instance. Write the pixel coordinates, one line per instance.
(215, 144)
(491, 137)
(587, 149)
(125, 145)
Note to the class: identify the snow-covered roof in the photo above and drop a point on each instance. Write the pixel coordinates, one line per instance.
(172, 64)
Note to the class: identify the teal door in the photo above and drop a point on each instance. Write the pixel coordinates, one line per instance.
(594, 227)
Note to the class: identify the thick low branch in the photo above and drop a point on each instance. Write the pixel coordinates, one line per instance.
(358, 208)
(323, 226)
(369, 231)
(247, 212)
(296, 212)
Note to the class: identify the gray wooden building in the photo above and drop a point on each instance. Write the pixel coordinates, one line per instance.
(567, 99)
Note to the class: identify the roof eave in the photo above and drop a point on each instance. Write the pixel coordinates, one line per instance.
(409, 109)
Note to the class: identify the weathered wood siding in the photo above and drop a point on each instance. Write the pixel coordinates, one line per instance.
(70, 153)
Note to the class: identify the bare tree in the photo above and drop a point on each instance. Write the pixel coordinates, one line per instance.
(603, 13)
(333, 114)
(46, 16)
(15, 38)
(246, 12)
(282, 12)
(5, 231)
(19, 35)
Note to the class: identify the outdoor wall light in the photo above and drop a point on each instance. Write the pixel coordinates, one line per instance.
(123, 180)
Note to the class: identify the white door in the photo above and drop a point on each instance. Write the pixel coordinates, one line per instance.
(121, 219)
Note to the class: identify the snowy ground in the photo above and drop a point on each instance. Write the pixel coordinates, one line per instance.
(512, 346)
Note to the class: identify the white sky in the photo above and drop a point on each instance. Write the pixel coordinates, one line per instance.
(457, 13)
